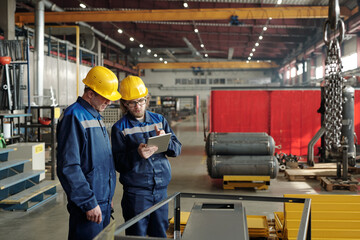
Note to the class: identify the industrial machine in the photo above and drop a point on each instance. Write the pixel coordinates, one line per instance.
(249, 154)
(337, 104)
(211, 220)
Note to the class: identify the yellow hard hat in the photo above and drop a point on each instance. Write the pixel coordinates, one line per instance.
(132, 87)
(103, 81)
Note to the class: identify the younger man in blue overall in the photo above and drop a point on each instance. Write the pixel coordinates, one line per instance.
(85, 164)
(143, 174)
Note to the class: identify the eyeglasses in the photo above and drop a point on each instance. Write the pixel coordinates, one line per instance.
(140, 102)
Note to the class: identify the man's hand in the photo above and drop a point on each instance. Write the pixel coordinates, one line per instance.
(146, 151)
(94, 215)
(159, 132)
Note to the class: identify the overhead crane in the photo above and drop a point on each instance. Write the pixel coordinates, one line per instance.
(183, 14)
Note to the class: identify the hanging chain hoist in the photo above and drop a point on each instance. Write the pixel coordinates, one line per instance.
(334, 81)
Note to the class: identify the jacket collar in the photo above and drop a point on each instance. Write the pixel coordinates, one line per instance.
(88, 107)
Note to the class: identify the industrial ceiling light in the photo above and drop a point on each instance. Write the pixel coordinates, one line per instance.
(202, 45)
(196, 30)
(264, 28)
(82, 5)
(249, 58)
(120, 31)
(161, 59)
(279, 1)
(253, 49)
(206, 55)
(155, 55)
(256, 44)
(141, 46)
(149, 50)
(165, 62)
(132, 39)
(251, 54)
(186, 5)
(260, 37)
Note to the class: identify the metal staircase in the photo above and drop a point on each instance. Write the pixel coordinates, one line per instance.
(19, 189)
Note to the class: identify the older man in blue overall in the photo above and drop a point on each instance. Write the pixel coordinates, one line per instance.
(85, 164)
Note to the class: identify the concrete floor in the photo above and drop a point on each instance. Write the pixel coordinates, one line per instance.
(189, 174)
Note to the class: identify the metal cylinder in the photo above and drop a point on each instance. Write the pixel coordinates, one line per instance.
(220, 165)
(239, 144)
(39, 50)
(347, 130)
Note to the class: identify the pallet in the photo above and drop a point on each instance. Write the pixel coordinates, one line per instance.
(258, 182)
(330, 184)
(353, 170)
(304, 174)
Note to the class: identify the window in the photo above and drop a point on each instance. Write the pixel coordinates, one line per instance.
(319, 72)
(349, 62)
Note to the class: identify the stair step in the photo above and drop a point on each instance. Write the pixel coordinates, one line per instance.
(18, 178)
(12, 163)
(4, 153)
(30, 193)
(12, 167)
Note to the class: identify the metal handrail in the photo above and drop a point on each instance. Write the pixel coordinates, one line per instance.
(305, 223)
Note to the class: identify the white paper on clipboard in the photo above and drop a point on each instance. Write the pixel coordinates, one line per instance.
(161, 141)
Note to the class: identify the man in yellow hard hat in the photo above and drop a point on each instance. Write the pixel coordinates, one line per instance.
(144, 174)
(85, 164)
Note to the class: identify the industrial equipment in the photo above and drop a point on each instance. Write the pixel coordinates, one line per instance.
(240, 144)
(215, 220)
(250, 154)
(337, 105)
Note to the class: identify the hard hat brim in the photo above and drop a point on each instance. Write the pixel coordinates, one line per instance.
(114, 96)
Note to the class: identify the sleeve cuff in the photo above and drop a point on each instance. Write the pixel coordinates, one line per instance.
(89, 205)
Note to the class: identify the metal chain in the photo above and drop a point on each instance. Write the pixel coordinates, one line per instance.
(333, 96)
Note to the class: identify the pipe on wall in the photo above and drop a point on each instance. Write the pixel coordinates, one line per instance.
(39, 50)
(52, 6)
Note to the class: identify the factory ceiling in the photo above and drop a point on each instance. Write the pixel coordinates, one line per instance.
(271, 33)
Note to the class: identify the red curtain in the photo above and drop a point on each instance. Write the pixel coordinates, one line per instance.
(289, 116)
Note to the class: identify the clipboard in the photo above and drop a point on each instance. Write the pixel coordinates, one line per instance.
(161, 141)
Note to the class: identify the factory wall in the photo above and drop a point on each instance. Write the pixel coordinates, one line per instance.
(190, 83)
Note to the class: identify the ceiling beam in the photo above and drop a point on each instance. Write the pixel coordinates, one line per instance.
(183, 14)
(207, 65)
(119, 66)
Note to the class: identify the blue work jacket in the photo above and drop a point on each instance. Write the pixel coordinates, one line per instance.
(85, 164)
(139, 175)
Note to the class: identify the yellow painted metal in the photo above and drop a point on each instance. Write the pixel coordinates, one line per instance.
(279, 224)
(57, 112)
(325, 215)
(324, 206)
(184, 217)
(332, 216)
(208, 65)
(183, 14)
(245, 178)
(322, 224)
(329, 233)
(258, 182)
(257, 226)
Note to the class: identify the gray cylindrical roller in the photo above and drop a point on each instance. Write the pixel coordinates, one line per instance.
(347, 129)
(220, 165)
(239, 144)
